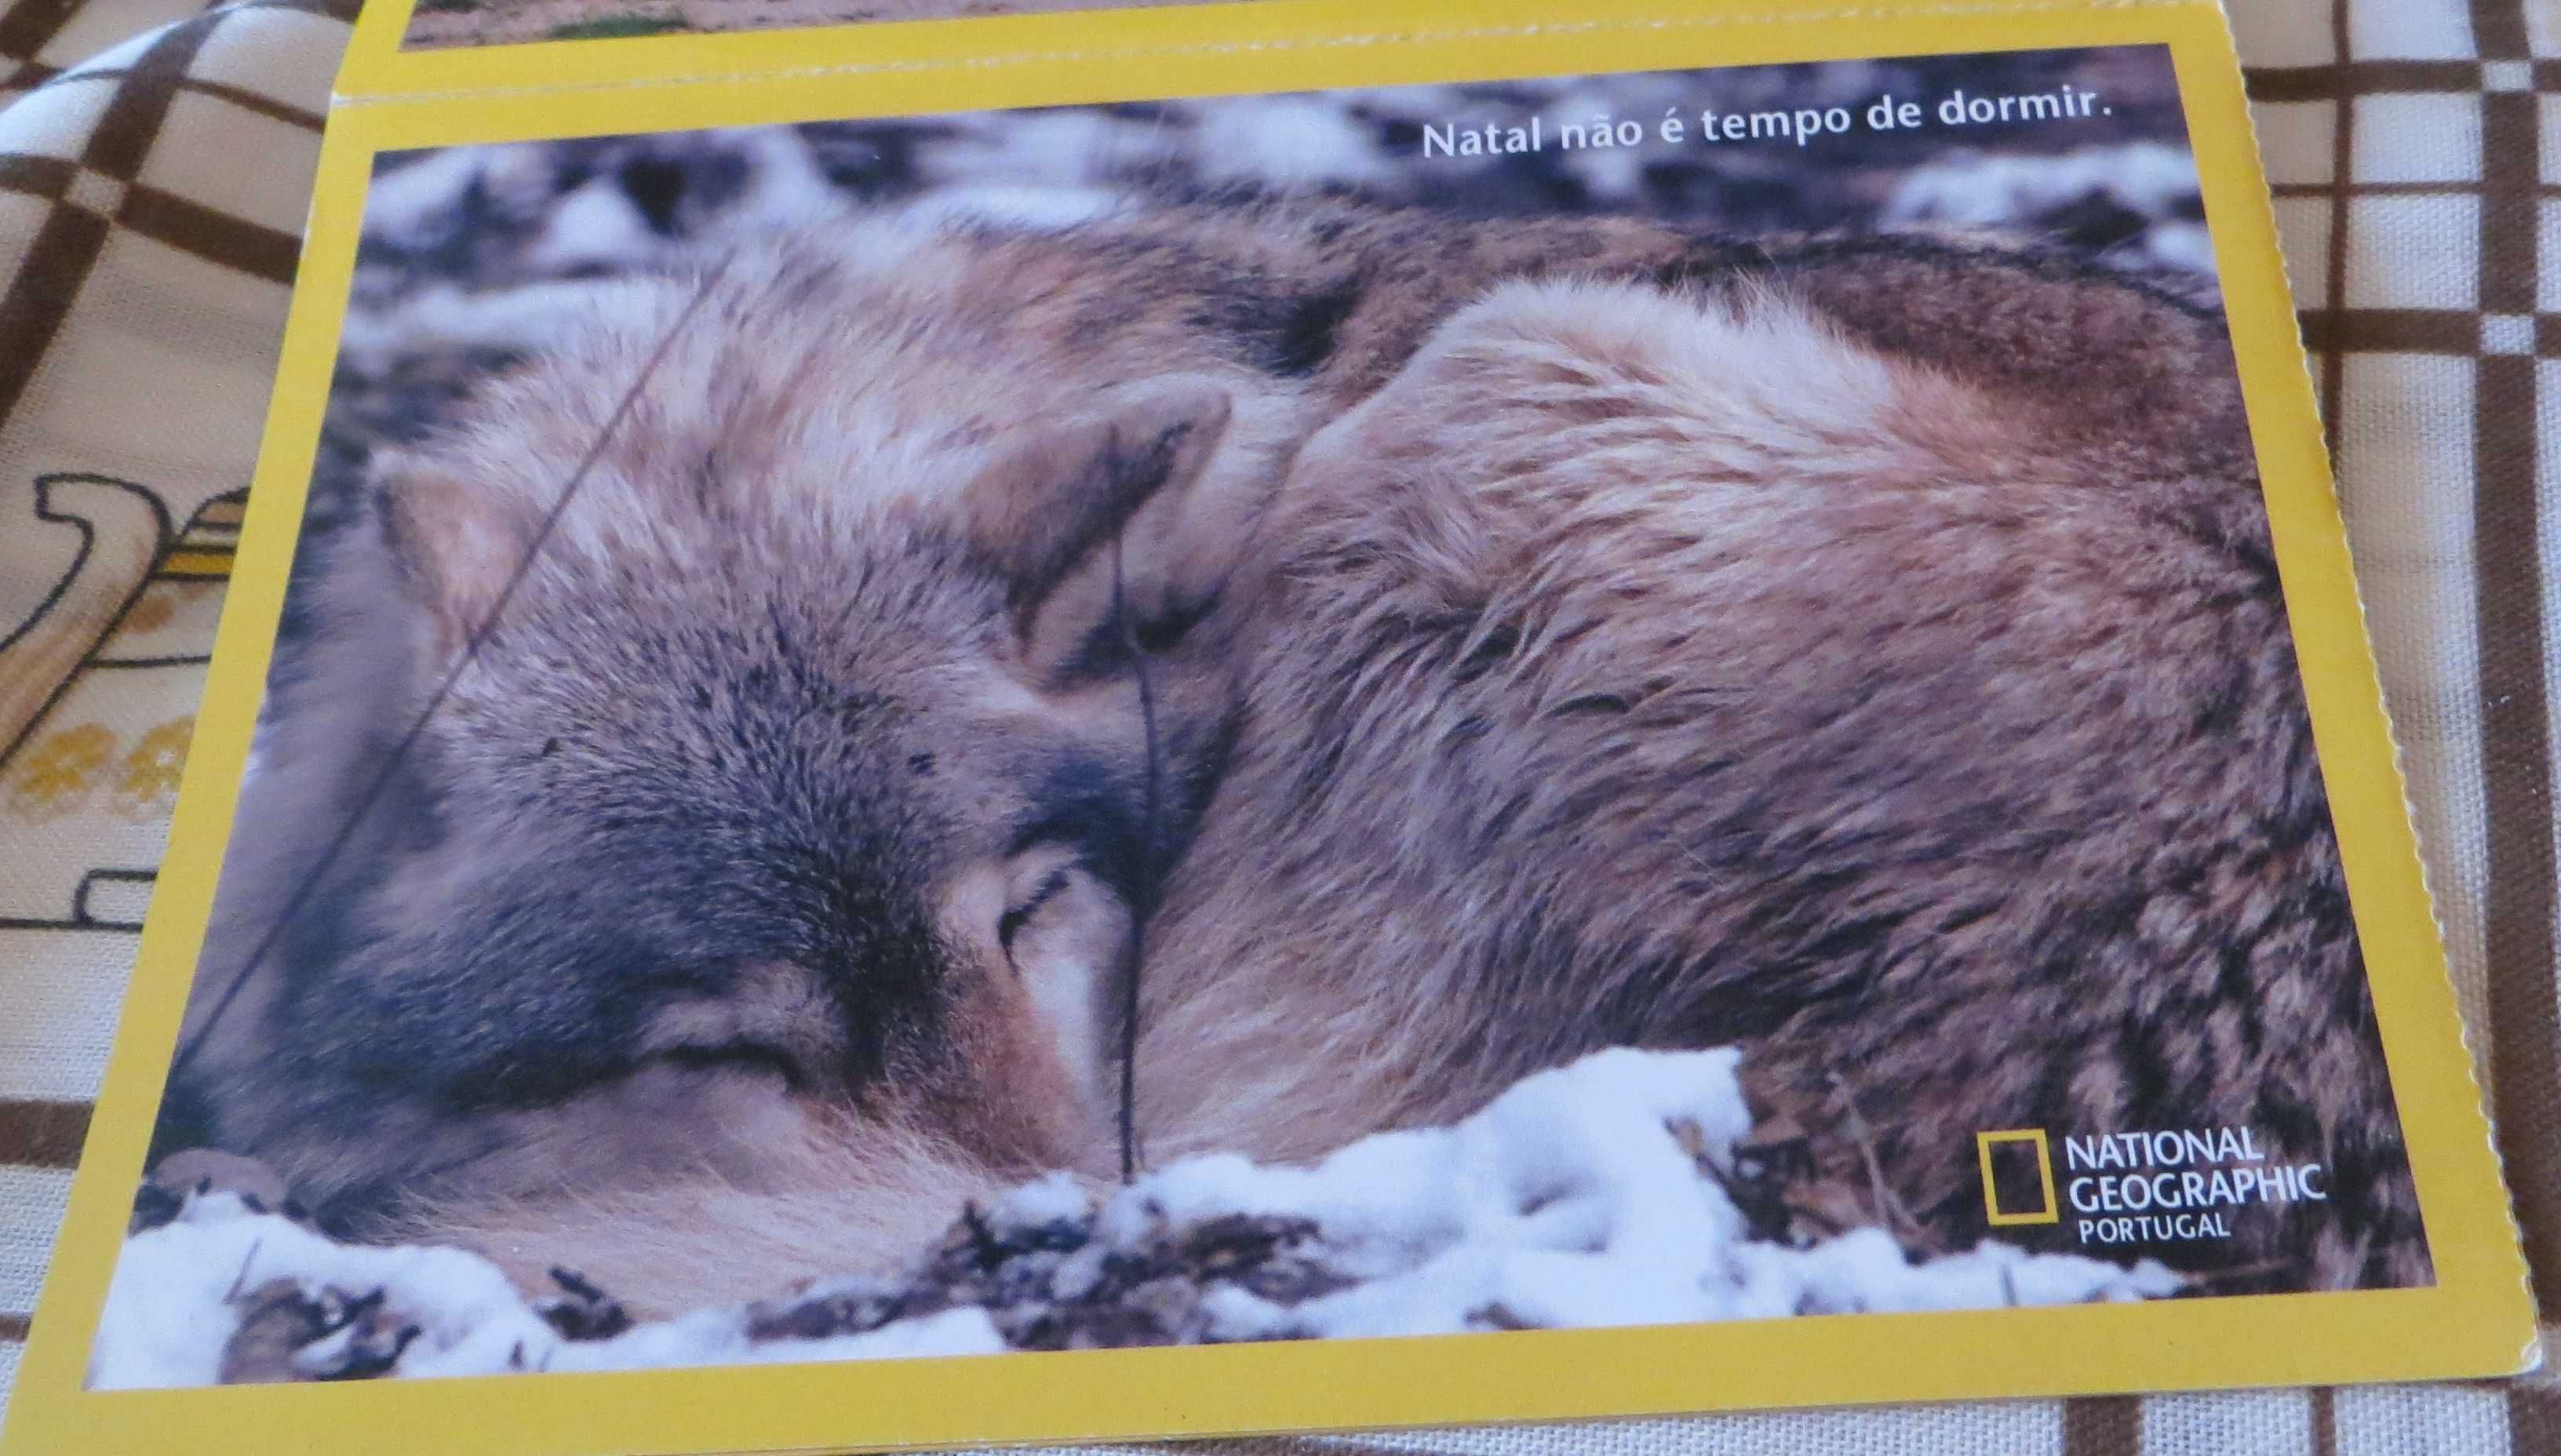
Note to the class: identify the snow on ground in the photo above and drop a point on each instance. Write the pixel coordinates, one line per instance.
(1587, 1196)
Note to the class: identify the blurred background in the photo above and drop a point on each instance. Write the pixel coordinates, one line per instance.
(471, 255)
(2118, 184)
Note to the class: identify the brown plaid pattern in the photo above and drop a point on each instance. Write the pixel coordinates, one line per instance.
(144, 297)
(154, 165)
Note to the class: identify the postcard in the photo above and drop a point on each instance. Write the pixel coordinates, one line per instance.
(1155, 721)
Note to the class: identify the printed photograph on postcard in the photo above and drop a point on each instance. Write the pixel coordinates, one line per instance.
(1597, 700)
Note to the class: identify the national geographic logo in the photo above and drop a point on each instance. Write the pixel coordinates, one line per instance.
(2030, 1185)
(2170, 1186)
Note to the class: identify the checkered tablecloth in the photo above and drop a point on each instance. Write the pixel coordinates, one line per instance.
(154, 168)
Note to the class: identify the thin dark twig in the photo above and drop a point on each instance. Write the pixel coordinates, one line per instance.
(240, 1279)
(1146, 898)
(382, 780)
(1890, 1207)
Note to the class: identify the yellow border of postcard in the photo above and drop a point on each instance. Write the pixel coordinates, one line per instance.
(2476, 1320)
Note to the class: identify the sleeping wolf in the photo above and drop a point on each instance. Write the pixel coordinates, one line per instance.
(1558, 634)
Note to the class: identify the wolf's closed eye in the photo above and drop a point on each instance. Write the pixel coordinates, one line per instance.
(775, 1019)
(1012, 922)
(1063, 933)
(752, 1057)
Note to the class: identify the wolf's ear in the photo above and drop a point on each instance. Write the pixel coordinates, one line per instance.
(454, 545)
(1143, 472)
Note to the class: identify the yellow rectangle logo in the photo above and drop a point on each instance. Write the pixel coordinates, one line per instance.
(2049, 1211)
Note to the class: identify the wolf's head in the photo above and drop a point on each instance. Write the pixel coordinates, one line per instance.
(791, 763)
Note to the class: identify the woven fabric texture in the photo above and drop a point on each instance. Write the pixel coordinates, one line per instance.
(156, 164)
